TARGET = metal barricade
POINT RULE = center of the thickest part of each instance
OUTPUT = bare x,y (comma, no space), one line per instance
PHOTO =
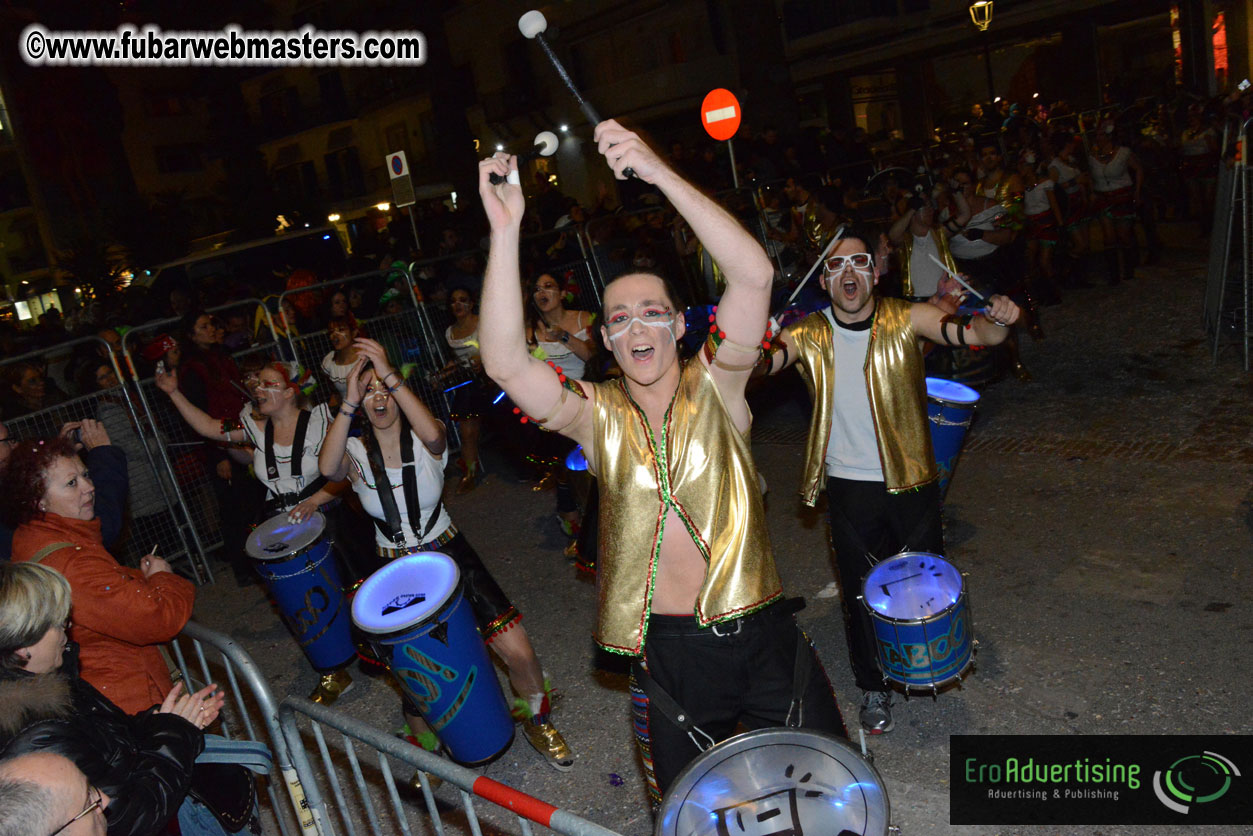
153,513
372,786
182,451
1229,280
245,709
403,325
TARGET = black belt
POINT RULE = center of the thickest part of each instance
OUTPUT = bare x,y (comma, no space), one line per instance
687,625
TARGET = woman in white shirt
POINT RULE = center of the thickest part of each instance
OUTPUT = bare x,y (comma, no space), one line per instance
340,331
286,439
397,471
565,340
1116,182
1044,220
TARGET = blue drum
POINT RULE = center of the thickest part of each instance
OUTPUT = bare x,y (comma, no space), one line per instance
296,563
421,625
950,408
576,461
917,602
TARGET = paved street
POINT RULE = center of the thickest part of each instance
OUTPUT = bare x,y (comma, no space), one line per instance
1102,513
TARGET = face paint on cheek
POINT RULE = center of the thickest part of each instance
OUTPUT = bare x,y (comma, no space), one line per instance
626,328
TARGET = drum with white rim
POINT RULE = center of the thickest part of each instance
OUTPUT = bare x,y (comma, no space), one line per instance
918,606
298,567
777,782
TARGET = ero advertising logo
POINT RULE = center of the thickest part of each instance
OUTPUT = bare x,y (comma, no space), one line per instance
1100,779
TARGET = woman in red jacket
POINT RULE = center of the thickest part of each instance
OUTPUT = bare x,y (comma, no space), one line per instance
120,614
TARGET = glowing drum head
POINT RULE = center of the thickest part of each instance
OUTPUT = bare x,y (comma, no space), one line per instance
776,782
912,586
278,538
950,391
406,591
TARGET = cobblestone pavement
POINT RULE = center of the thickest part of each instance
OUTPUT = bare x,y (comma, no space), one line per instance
1102,513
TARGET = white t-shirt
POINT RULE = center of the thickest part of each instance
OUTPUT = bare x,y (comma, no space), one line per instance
1066,173
1036,199
924,273
430,484
563,356
852,448
962,247
337,373
319,421
465,348
1113,175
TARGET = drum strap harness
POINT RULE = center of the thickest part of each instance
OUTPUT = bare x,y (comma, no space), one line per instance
676,714
390,526
297,453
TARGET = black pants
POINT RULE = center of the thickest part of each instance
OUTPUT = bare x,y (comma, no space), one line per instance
743,676
869,524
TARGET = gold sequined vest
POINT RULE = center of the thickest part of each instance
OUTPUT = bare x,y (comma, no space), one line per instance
895,380
697,464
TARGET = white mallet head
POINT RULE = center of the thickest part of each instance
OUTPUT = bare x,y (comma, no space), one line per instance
547,142
532,23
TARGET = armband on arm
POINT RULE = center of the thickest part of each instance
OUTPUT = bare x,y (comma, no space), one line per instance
567,386
230,425
960,325
718,338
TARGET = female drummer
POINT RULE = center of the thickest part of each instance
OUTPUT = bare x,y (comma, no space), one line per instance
1117,179
294,486
397,471
564,337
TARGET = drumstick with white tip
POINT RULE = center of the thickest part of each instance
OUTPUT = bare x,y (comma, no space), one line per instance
958,279
835,239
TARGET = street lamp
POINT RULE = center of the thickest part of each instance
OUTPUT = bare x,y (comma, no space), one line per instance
981,16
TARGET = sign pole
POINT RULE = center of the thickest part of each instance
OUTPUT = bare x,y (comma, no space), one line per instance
735,174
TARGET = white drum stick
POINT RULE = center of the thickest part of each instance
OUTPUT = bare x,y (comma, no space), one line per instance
830,246
958,278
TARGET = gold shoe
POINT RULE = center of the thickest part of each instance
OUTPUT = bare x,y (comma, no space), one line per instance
549,743
547,481
432,781
467,484
331,687
1021,372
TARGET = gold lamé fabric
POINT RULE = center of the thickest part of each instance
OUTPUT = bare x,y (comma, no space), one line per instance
907,248
896,382
697,464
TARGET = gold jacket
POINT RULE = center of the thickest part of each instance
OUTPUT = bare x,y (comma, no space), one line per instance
896,384
700,466
907,248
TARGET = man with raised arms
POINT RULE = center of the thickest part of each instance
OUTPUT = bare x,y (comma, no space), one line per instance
868,431
687,583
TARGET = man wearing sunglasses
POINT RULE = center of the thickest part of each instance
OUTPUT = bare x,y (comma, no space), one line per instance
686,578
44,794
868,432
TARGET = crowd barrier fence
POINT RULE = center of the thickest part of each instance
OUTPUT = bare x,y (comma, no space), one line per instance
155,514
1229,280
247,707
361,811
404,326
184,454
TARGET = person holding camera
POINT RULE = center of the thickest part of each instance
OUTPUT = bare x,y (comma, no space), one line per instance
106,465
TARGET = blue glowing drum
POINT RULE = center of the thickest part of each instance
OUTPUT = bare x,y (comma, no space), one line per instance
295,561
421,625
917,602
777,782
950,408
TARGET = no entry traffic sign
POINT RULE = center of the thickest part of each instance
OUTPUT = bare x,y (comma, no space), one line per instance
720,114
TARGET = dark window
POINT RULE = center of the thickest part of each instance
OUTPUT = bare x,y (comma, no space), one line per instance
343,174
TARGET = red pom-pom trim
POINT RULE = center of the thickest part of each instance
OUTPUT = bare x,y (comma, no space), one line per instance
517,411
